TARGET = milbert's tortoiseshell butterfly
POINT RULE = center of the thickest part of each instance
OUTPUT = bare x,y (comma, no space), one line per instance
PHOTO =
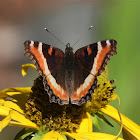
70,78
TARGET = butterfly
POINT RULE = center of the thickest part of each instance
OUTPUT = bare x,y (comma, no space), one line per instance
70,78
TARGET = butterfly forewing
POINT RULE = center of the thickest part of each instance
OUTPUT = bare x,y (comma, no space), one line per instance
94,57
91,61
48,61
45,57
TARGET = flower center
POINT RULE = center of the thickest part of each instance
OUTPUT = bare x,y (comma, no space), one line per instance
52,115
102,96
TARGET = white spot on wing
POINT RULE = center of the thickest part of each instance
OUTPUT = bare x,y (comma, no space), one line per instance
108,42
32,43
93,70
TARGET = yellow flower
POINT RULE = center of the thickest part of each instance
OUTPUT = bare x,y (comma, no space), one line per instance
130,128
27,107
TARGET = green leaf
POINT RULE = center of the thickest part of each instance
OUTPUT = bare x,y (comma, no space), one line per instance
95,121
40,134
69,138
37,137
103,119
25,132
64,136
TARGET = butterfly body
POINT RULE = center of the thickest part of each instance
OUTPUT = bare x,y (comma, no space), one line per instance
70,77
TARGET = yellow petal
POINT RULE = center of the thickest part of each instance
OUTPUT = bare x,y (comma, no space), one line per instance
5,122
127,135
86,124
18,95
4,111
2,101
13,123
3,94
53,135
128,125
11,105
114,96
11,114
17,90
25,68
21,118
91,136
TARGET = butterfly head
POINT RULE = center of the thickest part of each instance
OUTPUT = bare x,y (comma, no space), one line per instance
68,48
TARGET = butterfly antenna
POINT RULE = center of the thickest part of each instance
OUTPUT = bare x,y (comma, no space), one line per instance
82,36
54,36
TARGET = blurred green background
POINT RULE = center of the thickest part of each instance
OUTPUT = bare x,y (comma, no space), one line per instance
121,21
68,20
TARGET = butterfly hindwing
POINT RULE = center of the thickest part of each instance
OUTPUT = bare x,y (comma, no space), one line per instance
84,85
